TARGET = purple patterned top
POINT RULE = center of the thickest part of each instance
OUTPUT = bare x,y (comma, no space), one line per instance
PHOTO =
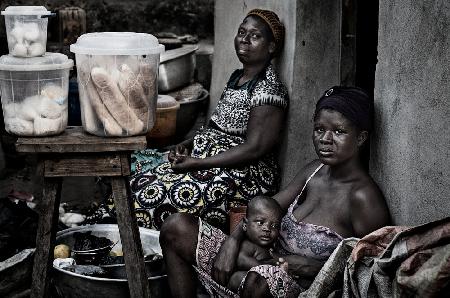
305,239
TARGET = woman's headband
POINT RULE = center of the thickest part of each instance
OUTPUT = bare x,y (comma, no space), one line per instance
274,24
353,103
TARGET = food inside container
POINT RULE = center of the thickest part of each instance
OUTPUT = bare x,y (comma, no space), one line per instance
26,30
34,94
117,82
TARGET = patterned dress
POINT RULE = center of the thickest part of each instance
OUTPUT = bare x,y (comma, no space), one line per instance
158,192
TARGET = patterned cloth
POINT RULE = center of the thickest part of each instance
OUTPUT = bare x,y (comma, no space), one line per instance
399,261
158,192
210,240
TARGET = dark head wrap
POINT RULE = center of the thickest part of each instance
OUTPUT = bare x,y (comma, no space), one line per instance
274,24
354,103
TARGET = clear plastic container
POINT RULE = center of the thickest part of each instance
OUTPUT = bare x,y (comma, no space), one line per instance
34,94
26,30
117,82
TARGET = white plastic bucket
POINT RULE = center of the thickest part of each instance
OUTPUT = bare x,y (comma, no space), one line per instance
26,30
117,81
34,94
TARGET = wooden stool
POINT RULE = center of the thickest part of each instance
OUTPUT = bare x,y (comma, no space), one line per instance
76,153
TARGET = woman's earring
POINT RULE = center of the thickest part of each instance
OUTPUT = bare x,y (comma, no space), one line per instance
244,227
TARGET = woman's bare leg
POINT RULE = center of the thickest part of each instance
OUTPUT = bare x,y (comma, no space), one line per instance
255,286
178,240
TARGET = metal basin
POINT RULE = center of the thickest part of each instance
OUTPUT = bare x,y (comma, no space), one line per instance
188,113
72,285
176,68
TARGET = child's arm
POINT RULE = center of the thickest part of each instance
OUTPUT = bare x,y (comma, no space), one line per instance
249,256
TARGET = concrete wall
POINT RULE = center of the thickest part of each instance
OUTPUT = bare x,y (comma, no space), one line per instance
316,68
410,147
309,63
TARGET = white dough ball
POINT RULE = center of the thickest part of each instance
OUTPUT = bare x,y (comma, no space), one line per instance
32,32
18,32
19,126
54,92
36,49
46,126
19,50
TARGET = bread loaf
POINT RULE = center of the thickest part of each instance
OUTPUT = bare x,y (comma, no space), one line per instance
148,80
115,102
133,92
110,125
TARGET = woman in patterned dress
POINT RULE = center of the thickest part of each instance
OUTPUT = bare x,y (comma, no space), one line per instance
331,198
232,159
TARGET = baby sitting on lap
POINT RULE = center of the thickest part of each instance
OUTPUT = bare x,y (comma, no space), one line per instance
261,227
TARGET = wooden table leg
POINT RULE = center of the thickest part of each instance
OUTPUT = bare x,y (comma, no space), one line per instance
131,242
45,239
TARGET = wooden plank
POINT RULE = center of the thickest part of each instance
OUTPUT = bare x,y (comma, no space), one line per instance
45,238
75,139
125,160
131,242
83,165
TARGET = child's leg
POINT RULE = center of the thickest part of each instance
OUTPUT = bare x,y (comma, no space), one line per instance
235,280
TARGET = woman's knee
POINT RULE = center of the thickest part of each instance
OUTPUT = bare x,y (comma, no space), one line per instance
255,286
178,226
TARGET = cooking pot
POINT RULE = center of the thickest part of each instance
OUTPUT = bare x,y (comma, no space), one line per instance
72,285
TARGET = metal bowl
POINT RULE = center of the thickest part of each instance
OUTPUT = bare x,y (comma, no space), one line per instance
71,285
189,112
176,68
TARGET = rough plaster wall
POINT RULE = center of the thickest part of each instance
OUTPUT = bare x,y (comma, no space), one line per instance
316,68
410,147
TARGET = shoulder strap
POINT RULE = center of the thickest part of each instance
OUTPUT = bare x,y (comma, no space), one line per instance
304,186
309,178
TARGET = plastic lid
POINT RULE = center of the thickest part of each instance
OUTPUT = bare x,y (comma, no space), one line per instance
116,43
50,61
166,102
26,10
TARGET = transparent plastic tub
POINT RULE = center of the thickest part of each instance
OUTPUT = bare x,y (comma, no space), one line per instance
34,94
26,30
117,82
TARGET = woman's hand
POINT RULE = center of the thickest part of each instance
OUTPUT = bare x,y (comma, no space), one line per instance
180,150
225,261
227,256
182,163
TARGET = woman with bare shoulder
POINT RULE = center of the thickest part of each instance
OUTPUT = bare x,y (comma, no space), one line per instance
330,199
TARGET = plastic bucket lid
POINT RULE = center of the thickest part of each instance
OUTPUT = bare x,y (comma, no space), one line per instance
26,10
117,43
50,61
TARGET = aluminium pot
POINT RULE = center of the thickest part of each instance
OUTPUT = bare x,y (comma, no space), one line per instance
176,68
72,285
